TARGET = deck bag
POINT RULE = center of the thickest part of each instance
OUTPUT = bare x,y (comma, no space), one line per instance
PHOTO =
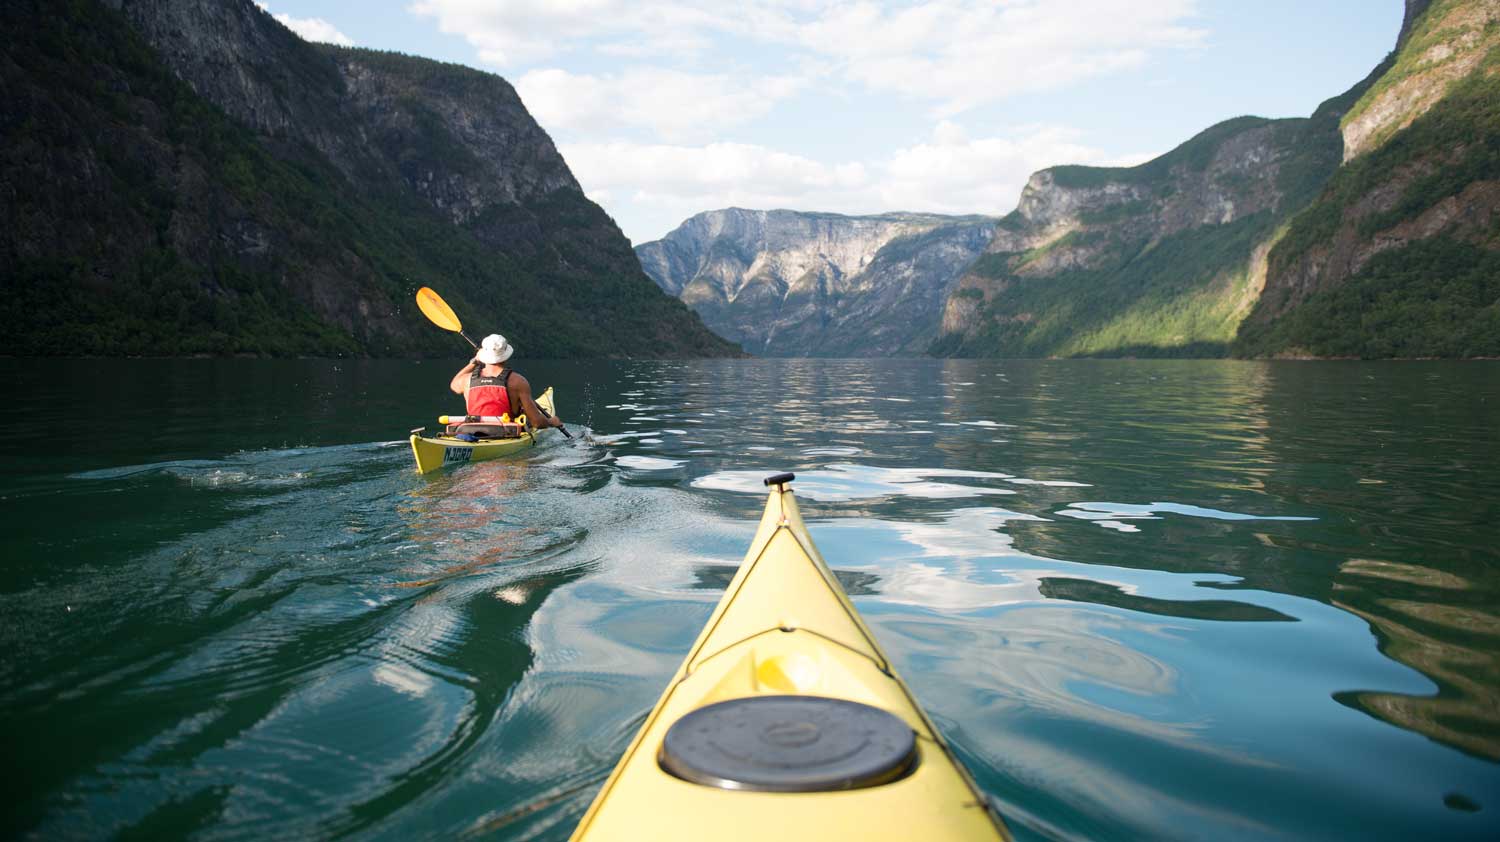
488,431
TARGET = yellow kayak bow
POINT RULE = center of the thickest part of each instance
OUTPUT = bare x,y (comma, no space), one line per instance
787,722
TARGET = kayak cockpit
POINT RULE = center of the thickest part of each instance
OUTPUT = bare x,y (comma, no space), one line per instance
487,431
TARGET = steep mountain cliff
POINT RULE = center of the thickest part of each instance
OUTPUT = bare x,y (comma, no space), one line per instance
1369,229
1400,255
1165,258
786,283
188,176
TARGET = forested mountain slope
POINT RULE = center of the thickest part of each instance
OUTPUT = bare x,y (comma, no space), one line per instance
1162,259
188,176
1369,229
1400,254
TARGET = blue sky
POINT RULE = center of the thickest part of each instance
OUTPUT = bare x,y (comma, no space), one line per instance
664,108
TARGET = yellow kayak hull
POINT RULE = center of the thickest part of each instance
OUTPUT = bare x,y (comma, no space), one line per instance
434,452
786,627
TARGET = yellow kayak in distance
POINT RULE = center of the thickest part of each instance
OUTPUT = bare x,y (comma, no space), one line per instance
787,722
433,452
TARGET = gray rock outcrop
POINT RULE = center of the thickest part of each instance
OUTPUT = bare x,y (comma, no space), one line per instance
789,283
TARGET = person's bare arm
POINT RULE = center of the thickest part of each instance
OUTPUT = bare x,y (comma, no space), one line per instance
522,390
461,379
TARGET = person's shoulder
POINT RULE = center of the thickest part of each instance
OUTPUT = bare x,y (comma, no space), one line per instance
518,378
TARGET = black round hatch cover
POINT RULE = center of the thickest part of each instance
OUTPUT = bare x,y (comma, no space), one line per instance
789,744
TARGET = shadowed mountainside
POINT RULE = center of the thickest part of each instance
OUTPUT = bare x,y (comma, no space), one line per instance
188,176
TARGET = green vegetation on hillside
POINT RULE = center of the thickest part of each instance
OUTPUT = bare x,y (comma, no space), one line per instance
1180,297
1196,154
1415,56
1187,293
1455,144
111,281
145,221
1432,298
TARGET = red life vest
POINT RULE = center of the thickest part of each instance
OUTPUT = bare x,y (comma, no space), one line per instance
488,395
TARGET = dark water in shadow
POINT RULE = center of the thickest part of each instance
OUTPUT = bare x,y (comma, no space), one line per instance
1145,600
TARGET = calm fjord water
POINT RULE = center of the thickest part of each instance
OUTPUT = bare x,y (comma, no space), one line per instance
1145,600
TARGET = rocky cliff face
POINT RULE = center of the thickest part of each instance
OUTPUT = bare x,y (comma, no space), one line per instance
1400,255
266,181
787,283
371,114
1155,259
1433,52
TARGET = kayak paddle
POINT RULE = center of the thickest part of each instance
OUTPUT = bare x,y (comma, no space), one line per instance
439,313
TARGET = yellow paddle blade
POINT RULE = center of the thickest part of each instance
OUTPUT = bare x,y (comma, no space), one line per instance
435,308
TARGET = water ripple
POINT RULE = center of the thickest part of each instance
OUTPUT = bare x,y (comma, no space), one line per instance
275,627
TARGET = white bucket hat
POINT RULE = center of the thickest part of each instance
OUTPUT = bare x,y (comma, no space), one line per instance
494,350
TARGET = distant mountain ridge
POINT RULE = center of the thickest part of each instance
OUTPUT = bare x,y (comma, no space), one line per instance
1370,228
792,283
1400,255
189,176
1160,259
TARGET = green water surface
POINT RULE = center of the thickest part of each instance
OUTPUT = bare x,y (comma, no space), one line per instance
1144,600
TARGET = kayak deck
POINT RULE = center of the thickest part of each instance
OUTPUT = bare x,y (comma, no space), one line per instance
786,629
434,452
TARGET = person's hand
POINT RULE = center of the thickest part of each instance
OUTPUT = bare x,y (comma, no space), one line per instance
554,421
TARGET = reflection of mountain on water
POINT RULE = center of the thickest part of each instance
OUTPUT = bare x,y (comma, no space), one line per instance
1188,432
1396,462
1454,646
1407,461
1084,590
716,577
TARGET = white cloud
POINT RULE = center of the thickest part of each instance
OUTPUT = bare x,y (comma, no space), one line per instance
958,54
950,172
965,54
732,169
654,102
953,173
674,105
507,33
312,29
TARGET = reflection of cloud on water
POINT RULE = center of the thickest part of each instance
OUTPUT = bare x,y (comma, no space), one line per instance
515,595
966,562
1096,788
965,533
402,679
831,451
618,437
649,463
1045,659
843,482
1049,693
602,656
936,588
1113,515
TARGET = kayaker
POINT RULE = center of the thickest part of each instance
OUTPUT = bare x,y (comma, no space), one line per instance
490,388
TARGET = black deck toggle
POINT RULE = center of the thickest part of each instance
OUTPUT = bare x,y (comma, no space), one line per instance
780,479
